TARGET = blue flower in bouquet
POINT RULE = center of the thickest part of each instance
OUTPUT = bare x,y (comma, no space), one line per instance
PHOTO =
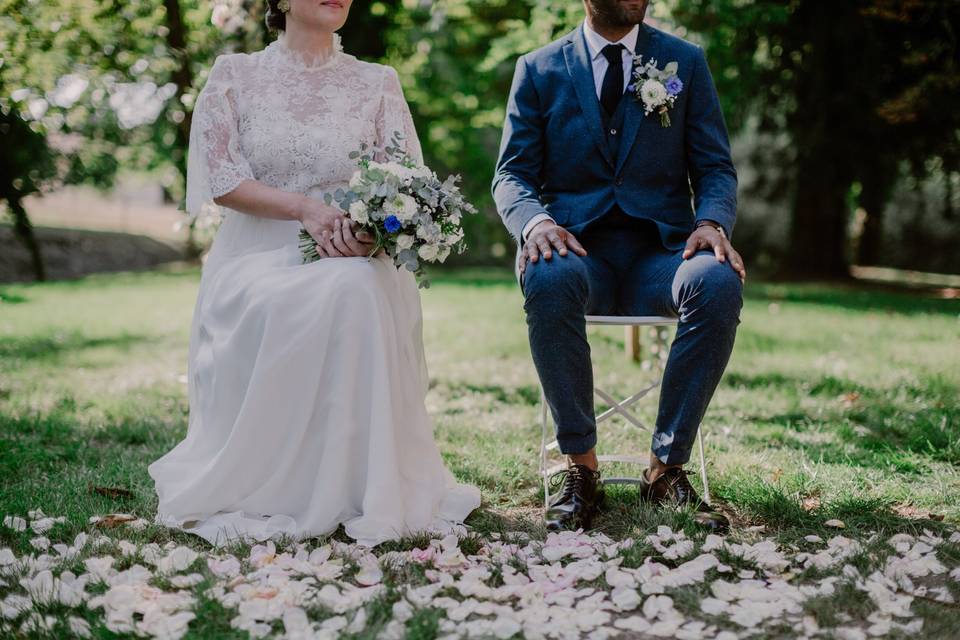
392,224
673,85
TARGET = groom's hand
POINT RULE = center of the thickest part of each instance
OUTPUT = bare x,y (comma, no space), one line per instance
707,236
546,237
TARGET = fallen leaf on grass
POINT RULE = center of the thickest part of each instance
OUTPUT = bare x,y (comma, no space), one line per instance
114,520
849,400
906,510
811,502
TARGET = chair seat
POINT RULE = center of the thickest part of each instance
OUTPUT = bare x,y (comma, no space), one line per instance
631,321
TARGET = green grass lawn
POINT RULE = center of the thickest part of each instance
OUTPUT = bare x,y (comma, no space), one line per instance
838,404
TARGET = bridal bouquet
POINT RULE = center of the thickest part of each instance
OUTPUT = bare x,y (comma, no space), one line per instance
411,214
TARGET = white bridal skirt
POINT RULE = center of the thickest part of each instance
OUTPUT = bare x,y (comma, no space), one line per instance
307,387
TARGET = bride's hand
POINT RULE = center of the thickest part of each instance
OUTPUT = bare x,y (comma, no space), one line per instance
332,231
344,241
317,217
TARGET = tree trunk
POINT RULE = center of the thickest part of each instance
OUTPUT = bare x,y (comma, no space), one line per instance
24,231
182,77
818,238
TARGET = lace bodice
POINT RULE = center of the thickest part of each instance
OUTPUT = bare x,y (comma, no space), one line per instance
289,120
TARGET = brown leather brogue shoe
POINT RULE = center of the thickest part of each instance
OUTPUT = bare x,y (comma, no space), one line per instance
673,488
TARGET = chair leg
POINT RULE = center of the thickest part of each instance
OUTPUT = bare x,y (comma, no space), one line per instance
543,448
703,466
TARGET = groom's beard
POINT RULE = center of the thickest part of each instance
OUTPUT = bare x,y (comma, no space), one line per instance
617,13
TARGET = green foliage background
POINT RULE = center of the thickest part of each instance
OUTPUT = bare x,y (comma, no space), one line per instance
846,115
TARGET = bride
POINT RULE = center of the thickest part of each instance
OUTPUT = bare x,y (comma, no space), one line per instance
306,381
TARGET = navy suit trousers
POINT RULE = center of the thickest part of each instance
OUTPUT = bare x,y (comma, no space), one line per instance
629,272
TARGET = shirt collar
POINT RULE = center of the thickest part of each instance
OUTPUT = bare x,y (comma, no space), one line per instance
596,42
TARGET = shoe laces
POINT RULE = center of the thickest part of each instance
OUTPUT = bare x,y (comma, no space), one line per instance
573,479
681,483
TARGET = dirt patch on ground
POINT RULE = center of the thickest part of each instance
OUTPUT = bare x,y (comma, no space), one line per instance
73,253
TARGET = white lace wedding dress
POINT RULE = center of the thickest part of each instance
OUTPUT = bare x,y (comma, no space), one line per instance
306,382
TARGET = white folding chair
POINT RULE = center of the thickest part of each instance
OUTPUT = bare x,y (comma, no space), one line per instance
548,440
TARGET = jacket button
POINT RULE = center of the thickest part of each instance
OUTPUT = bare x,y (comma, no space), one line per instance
613,132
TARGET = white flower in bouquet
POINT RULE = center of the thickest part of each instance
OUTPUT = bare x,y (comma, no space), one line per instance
402,206
405,241
428,231
444,253
429,252
405,174
653,93
356,179
359,212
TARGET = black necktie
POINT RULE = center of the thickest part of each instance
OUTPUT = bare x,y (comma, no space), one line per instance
612,89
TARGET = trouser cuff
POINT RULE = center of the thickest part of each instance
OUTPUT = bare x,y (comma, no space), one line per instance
577,445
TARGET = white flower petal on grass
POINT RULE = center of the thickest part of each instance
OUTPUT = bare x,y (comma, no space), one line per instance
638,624
504,627
7,557
177,560
227,567
70,589
296,623
100,568
127,548
617,578
835,524
187,581
625,598
40,542
38,624
139,524
848,633
158,624
370,573
40,587
713,606
15,605
78,627
713,542
43,524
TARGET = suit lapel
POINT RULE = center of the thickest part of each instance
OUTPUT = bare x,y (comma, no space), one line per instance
648,45
581,72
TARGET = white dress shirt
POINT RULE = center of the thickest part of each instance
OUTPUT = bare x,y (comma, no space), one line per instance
595,45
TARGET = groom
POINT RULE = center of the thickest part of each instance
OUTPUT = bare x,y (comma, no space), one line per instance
618,212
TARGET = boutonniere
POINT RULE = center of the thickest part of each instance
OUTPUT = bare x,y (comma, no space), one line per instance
656,88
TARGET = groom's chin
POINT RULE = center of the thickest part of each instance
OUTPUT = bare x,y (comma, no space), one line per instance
619,12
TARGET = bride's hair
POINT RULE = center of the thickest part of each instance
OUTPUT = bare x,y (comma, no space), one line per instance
276,20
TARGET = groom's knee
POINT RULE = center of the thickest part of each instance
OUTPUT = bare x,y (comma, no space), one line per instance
556,284
712,287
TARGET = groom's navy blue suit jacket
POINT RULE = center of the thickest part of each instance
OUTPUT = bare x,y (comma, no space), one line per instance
555,157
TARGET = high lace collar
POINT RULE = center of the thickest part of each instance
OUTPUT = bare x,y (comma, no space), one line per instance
304,59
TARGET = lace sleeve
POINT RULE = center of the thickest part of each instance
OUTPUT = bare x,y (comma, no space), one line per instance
394,116
215,162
